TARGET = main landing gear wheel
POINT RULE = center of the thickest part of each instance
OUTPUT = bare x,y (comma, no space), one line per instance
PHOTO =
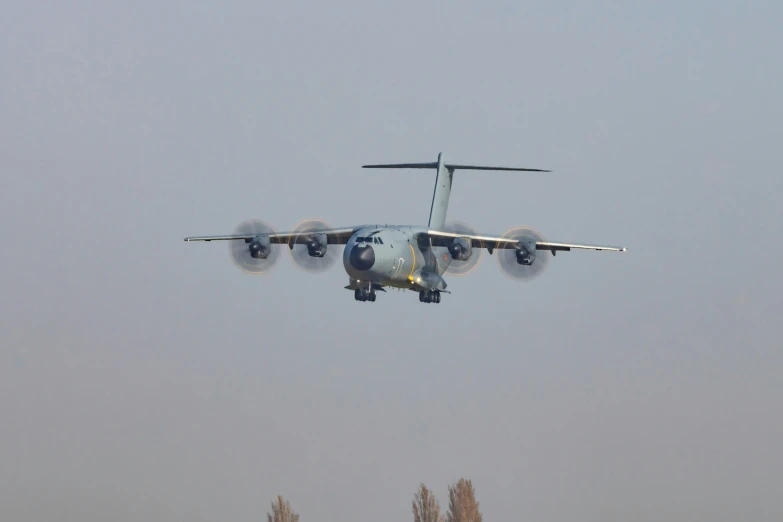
364,295
431,296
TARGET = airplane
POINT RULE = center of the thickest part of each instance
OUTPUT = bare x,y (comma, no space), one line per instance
406,257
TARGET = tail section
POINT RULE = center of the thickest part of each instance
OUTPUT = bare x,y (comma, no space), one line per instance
440,196
443,179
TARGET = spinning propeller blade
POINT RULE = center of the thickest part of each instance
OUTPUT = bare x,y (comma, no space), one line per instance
242,252
457,267
302,248
508,258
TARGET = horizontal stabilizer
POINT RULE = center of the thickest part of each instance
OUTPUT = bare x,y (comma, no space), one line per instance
402,166
449,166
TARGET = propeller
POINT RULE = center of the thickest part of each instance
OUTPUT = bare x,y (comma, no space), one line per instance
513,261
457,267
254,256
311,252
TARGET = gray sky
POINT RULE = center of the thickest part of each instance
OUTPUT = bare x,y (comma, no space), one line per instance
144,378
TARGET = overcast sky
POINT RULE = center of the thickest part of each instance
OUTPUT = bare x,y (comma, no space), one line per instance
145,378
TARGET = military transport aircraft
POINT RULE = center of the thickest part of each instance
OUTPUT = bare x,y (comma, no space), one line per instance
406,257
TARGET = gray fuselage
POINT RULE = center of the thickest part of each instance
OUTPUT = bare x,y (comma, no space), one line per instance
392,256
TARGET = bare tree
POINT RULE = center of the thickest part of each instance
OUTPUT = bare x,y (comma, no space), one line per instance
425,506
462,503
282,512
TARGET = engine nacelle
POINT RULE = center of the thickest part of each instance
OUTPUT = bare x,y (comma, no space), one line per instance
260,247
525,256
316,245
460,249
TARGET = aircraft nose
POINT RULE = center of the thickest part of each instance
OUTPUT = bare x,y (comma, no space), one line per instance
362,257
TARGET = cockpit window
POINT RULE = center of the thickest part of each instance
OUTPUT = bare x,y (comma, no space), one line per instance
369,239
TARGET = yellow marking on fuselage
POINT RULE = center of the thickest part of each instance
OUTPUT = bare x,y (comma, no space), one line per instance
413,267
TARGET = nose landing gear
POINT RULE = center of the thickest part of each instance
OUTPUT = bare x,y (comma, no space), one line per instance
363,294
430,296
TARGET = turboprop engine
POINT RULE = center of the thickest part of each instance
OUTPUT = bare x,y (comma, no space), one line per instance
255,255
260,247
525,256
463,259
308,246
525,261
316,245
460,249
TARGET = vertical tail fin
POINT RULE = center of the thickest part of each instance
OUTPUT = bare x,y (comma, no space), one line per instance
440,196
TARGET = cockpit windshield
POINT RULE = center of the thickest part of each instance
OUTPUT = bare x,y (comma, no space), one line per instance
369,239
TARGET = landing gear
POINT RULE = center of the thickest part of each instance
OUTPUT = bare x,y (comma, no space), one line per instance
430,296
364,294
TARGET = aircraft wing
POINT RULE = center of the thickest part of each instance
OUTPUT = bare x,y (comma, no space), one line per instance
492,242
335,236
